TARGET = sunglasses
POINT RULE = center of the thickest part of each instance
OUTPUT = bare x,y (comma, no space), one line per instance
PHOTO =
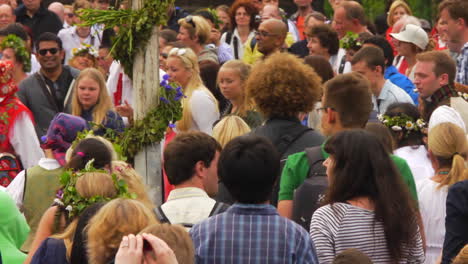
52,51
189,19
70,15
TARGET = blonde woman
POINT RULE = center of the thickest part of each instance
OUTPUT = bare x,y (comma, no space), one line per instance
200,107
397,10
92,102
447,146
231,81
229,128
58,247
115,220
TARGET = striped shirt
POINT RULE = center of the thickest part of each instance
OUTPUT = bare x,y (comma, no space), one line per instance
248,233
344,226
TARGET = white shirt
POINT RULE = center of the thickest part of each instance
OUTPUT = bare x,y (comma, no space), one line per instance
335,62
16,187
418,161
240,45
71,40
24,140
188,205
432,207
204,111
35,66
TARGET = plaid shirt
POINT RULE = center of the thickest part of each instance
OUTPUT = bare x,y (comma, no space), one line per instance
248,233
462,66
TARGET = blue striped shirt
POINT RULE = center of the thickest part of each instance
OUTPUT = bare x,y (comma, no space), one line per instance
248,233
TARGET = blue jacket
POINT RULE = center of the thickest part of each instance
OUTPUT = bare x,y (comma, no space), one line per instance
401,81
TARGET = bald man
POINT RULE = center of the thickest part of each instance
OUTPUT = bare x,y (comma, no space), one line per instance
7,16
58,9
349,16
270,36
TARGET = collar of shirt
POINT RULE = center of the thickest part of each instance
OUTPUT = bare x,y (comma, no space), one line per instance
49,164
186,192
252,209
385,89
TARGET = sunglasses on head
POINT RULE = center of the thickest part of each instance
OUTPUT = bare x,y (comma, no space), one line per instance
189,19
52,51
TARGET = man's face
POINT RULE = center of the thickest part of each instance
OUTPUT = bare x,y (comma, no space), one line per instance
49,55
268,41
302,3
371,74
270,11
425,79
184,37
6,16
32,5
340,23
452,28
210,179
104,59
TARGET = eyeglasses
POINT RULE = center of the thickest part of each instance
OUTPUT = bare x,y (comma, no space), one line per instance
325,108
264,34
70,15
189,19
52,51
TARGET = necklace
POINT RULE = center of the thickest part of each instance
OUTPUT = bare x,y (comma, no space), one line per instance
443,172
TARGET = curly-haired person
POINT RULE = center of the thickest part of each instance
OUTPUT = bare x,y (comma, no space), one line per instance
283,89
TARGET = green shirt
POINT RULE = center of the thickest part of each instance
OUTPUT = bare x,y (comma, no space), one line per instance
297,168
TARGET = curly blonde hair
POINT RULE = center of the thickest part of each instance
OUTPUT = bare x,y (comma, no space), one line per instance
114,220
229,128
134,181
282,85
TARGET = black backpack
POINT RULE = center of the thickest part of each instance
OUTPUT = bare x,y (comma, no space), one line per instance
229,36
309,195
218,208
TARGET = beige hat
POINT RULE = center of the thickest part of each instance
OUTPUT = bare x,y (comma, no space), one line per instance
413,34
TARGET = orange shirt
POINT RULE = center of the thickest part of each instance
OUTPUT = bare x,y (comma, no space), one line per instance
300,26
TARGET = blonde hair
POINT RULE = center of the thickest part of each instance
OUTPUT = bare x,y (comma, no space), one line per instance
72,61
134,181
190,62
104,103
393,7
177,238
462,257
114,220
229,128
243,71
201,30
88,185
448,143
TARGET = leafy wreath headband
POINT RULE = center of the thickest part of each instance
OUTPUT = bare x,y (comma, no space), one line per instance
402,123
18,45
73,202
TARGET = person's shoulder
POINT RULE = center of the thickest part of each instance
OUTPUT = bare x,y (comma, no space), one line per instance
399,162
73,71
28,83
297,158
65,31
460,187
20,11
332,213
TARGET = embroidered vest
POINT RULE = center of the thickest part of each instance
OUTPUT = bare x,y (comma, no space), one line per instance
40,188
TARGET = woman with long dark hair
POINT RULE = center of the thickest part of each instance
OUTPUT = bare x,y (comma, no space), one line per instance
367,206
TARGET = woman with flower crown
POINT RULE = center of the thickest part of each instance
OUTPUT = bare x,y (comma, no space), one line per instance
84,57
18,139
14,50
448,147
406,126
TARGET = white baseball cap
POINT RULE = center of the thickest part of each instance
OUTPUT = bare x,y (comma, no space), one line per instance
413,34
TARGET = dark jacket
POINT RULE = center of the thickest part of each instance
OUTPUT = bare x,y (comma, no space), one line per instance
42,21
299,48
178,13
275,130
456,221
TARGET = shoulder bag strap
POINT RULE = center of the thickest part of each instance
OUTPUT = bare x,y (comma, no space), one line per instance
161,215
218,208
48,92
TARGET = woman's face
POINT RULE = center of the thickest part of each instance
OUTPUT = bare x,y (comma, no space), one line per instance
398,13
242,17
9,54
329,163
316,48
177,72
83,61
230,84
224,17
88,92
403,48
163,54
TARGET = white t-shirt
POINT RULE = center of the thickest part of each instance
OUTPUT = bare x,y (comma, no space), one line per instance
418,161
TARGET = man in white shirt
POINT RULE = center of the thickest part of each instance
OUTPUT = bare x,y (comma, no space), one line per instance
370,62
191,164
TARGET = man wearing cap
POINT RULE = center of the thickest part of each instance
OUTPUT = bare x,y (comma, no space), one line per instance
455,14
34,189
434,79
18,138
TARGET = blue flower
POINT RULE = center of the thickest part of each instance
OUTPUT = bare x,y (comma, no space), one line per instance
164,100
172,125
44,139
168,87
166,77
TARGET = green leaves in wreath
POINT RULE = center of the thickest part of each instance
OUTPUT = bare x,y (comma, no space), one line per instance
135,28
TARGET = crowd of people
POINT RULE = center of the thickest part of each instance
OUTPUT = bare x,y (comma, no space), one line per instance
303,138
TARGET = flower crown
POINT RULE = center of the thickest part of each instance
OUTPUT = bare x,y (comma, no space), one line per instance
17,44
73,202
402,122
85,48
350,41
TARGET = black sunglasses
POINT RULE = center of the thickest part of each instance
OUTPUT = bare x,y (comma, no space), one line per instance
70,15
189,19
52,51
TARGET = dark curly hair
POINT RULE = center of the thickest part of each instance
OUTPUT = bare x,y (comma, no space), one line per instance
249,8
327,36
283,86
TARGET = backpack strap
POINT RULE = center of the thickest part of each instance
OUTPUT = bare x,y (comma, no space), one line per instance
218,208
236,48
342,64
286,140
315,158
228,37
253,42
161,216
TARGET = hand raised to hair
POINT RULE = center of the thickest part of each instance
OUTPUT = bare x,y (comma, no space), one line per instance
163,253
130,250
